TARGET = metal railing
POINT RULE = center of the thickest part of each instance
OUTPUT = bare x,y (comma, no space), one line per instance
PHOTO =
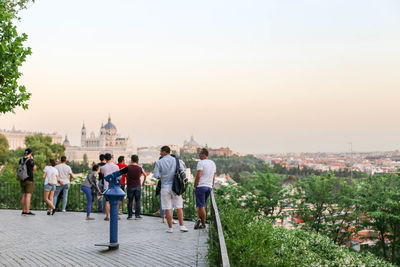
216,234
10,198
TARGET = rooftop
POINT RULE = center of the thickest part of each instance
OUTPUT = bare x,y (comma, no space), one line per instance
68,239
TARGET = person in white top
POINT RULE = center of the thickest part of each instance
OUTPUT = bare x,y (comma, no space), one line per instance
49,173
107,169
205,178
66,175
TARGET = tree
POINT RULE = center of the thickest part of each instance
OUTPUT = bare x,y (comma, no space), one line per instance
326,205
3,147
12,55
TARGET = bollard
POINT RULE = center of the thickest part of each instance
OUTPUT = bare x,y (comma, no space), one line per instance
114,195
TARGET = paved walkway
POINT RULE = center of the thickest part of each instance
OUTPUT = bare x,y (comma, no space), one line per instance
67,239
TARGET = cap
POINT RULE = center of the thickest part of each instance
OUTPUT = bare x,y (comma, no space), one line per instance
27,151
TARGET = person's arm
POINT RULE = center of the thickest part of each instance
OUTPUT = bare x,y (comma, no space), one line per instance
44,174
144,180
215,174
157,170
196,182
59,180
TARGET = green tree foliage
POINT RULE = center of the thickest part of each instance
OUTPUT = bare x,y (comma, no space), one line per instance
12,55
326,205
379,202
252,240
43,150
3,148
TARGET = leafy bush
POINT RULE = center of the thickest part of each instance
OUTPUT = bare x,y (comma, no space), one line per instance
252,240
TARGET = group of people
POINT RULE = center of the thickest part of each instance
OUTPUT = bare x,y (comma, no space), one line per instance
57,178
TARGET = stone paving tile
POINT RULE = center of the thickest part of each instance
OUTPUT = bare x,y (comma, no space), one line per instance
67,239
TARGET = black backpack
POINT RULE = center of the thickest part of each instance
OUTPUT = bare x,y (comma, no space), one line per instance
180,182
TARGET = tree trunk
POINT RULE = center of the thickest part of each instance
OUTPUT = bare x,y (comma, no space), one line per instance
394,243
383,244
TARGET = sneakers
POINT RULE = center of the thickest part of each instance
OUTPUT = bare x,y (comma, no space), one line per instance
129,218
197,224
23,213
89,219
174,222
183,228
29,213
170,230
64,211
54,211
138,217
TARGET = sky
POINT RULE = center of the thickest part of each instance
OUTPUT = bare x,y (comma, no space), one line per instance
257,76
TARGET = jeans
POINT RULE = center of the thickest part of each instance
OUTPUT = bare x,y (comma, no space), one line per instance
65,189
88,193
134,192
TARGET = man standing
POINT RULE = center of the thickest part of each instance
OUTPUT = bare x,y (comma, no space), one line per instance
66,175
121,164
205,178
27,184
107,169
165,169
134,186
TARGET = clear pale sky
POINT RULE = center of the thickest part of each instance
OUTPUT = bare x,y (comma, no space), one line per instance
257,76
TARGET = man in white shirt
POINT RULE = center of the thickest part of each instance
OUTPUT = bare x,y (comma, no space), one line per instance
205,178
107,169
66,175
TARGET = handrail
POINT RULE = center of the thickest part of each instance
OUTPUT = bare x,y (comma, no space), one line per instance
223,253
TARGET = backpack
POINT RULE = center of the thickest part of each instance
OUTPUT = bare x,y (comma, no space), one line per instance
22,171
53,179
180,182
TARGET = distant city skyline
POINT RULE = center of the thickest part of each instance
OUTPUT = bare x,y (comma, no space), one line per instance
257,76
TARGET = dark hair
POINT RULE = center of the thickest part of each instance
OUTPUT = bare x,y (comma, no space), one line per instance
204,151
121,159
135,158
107,156
52,162
101,157
166,149
95,167
63,159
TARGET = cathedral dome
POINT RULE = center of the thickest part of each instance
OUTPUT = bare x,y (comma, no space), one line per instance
109,125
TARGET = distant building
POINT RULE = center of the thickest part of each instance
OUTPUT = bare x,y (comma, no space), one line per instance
191,147
223,151
108,141
16,138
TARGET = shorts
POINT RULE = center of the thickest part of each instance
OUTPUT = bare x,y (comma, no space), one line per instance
168,197
49,187
202,194
26,187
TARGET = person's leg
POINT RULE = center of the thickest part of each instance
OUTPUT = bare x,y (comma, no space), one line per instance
130,199
162,211
88,193
138,194
51,196
23,201
179,212
169,217
107,210
46,197
65,196
202,209
56,193
27,202
202,215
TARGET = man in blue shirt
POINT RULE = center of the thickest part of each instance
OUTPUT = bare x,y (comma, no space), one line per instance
165,170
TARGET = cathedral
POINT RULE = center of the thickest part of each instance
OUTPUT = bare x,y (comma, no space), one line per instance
108,141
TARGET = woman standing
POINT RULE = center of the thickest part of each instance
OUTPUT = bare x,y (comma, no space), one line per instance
51,177
86,187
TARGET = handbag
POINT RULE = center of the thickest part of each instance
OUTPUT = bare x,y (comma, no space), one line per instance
158,188
53,179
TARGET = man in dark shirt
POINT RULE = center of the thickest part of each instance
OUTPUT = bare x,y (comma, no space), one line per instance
27,184
134,186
